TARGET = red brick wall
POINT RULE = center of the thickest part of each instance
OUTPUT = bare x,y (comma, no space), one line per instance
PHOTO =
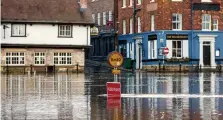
100,6
163,15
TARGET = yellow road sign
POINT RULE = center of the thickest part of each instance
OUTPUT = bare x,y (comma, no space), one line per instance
114,71
115,59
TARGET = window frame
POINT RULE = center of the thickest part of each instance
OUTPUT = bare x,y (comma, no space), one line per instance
177,22
176,49
206,0
123,27
60,58
130,25
64,36
104,18
39,57
12,35
152,22
204,22
18,57
99,19
131,3
139,24
215,24
124,3
152,48
110,15
176,0
93,17
139,2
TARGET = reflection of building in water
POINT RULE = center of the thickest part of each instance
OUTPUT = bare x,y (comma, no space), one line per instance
207,83
207,86
44,97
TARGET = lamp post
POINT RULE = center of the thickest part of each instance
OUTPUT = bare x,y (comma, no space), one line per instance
115,24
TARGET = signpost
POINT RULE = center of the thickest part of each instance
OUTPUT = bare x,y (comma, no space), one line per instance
165,52
113,89
115,59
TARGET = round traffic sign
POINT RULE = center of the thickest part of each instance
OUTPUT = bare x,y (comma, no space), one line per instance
166,50
115,59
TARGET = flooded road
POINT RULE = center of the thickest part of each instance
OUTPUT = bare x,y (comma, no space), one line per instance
80,97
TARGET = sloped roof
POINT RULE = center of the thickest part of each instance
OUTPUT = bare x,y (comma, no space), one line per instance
50,11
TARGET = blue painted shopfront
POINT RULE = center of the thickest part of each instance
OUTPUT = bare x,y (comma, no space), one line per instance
191,43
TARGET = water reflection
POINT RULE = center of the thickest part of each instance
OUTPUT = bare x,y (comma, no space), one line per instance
75,97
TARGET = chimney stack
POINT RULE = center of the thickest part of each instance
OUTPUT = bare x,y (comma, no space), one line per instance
83,5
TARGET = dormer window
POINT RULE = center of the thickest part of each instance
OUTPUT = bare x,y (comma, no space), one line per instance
65,31
18,30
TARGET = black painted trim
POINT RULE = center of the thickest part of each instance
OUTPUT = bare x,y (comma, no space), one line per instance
177,35
44,46
65,36
154,60
18,24
207,6
44,22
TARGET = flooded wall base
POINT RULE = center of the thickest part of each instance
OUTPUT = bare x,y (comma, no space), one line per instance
181,68
42,69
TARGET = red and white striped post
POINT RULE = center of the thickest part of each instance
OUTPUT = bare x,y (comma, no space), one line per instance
165,52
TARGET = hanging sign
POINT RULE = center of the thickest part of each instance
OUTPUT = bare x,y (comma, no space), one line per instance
94,31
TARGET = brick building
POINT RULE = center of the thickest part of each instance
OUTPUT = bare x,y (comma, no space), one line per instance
103,17
190,29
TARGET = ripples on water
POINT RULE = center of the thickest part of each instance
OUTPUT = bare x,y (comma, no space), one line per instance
76,97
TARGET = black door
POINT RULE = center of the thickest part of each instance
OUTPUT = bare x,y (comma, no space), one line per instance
206,55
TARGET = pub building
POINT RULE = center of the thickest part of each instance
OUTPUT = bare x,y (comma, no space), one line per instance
193,37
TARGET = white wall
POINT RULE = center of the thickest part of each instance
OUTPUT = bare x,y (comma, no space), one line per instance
47,34
169,45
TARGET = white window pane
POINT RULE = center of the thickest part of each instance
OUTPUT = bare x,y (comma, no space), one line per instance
110,15
99,19
104,18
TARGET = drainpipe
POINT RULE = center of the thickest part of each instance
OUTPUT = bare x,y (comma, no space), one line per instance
192,28
87,35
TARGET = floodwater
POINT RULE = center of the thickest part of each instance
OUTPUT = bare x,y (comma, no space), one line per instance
146,96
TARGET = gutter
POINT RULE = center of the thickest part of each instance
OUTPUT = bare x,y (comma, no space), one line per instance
47,22
87,35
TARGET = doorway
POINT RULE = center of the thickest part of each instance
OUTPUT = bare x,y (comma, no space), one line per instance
206,54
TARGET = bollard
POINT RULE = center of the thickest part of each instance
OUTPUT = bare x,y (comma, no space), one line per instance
77,68
54,69
67,70
200,68
180,67
24,70
7,69
29,73
31,69
159,66
220,68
